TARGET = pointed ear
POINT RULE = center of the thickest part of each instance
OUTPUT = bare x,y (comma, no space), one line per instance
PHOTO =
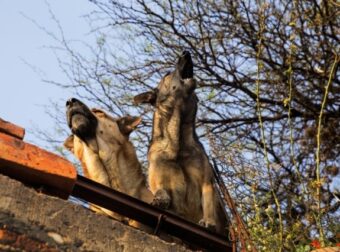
98,112
147,97
127,124
69,143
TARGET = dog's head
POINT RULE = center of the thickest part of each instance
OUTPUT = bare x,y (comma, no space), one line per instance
80,119
175,85
95,126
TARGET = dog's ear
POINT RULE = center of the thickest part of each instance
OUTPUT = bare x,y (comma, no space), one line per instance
128,123
98,112
69,143
147,97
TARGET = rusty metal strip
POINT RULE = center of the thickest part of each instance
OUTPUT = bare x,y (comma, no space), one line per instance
142,212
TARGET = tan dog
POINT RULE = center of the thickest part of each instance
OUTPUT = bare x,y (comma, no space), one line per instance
102,145
180,175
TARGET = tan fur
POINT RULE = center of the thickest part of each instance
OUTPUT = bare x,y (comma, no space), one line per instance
180,175
109,158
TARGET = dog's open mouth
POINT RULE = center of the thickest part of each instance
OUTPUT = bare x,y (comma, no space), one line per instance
186,73
185,66
74,116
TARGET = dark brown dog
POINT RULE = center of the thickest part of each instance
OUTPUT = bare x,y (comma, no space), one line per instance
180,175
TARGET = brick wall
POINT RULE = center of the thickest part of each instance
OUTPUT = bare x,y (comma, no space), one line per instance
32,221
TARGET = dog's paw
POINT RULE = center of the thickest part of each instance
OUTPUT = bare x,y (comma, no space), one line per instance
207,224
161,199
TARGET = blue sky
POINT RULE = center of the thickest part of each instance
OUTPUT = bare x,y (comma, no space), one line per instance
23,94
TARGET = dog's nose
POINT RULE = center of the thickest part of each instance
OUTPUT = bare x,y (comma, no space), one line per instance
185,54
71,101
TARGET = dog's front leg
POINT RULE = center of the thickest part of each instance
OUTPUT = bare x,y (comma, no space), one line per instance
167,183
159,184
209,206
161,199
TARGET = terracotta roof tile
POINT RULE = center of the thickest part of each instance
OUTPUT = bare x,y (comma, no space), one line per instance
29,163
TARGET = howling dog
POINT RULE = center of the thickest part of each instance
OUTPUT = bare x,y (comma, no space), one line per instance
102,145
180,175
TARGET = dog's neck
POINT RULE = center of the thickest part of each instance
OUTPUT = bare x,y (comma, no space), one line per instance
176,124
166,125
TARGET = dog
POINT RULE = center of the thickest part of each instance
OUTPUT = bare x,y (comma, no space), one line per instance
180,175
102,145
